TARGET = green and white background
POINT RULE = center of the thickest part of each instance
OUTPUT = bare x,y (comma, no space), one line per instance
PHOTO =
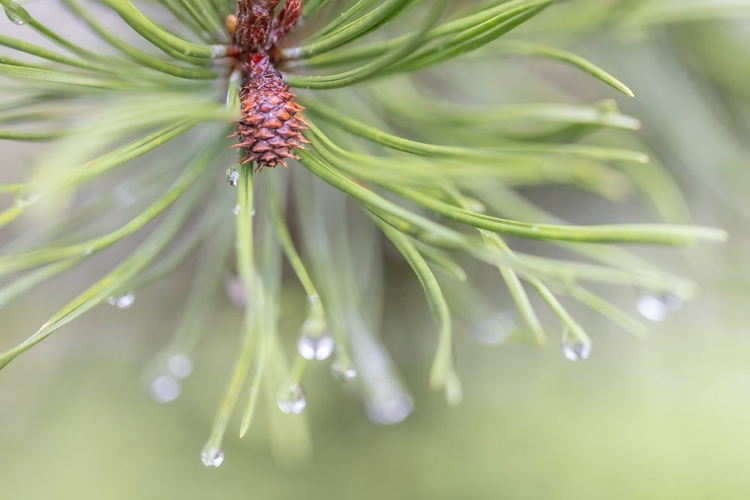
664,418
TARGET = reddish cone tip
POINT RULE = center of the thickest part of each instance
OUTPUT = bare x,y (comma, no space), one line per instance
271,125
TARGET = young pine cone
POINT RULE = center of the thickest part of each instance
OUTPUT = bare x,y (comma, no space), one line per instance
271,124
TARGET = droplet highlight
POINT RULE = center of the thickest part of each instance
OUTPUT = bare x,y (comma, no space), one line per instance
232,176
315,347
343,373
123,301
390,411
14,18
496,328
292,400
212,457
180,365
657,307
165,389
577,351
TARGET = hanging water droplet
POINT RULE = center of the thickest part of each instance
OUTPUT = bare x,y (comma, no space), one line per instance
389,411
343,373
657,307
292,400
125,195
14,18
252,213
315,347
236,210
477,206
212,457
496,328
577,351
235,290
88,251
232,176
218,50
165,389
180,365
123,301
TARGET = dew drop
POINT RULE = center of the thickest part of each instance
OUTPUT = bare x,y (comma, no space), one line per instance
477,206
292,400
343,373
212,457
576,351
317,347
496,328
88,251
657,307
232,176
390,411
218,50
14,18
180,365
123,301
235,290
124,195
165,389
236,210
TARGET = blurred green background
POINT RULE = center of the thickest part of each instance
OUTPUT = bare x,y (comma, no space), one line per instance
665,419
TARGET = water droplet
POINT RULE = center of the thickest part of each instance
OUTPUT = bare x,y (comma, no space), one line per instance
165,389
232,176
212,457
389,411
180,365
235,290
218,50
14,18
236,210
496,328
577,351
657,307
125,195
88,251
292,400
477,206
315,347
343,373
123,301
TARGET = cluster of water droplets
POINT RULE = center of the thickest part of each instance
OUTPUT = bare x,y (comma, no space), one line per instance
166,387
122,301
656,307
238,208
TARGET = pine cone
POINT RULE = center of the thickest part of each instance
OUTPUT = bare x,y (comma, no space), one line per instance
271,123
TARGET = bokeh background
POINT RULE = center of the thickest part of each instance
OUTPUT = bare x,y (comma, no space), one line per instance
665,418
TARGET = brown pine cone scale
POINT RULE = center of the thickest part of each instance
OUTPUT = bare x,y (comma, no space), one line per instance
270,127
